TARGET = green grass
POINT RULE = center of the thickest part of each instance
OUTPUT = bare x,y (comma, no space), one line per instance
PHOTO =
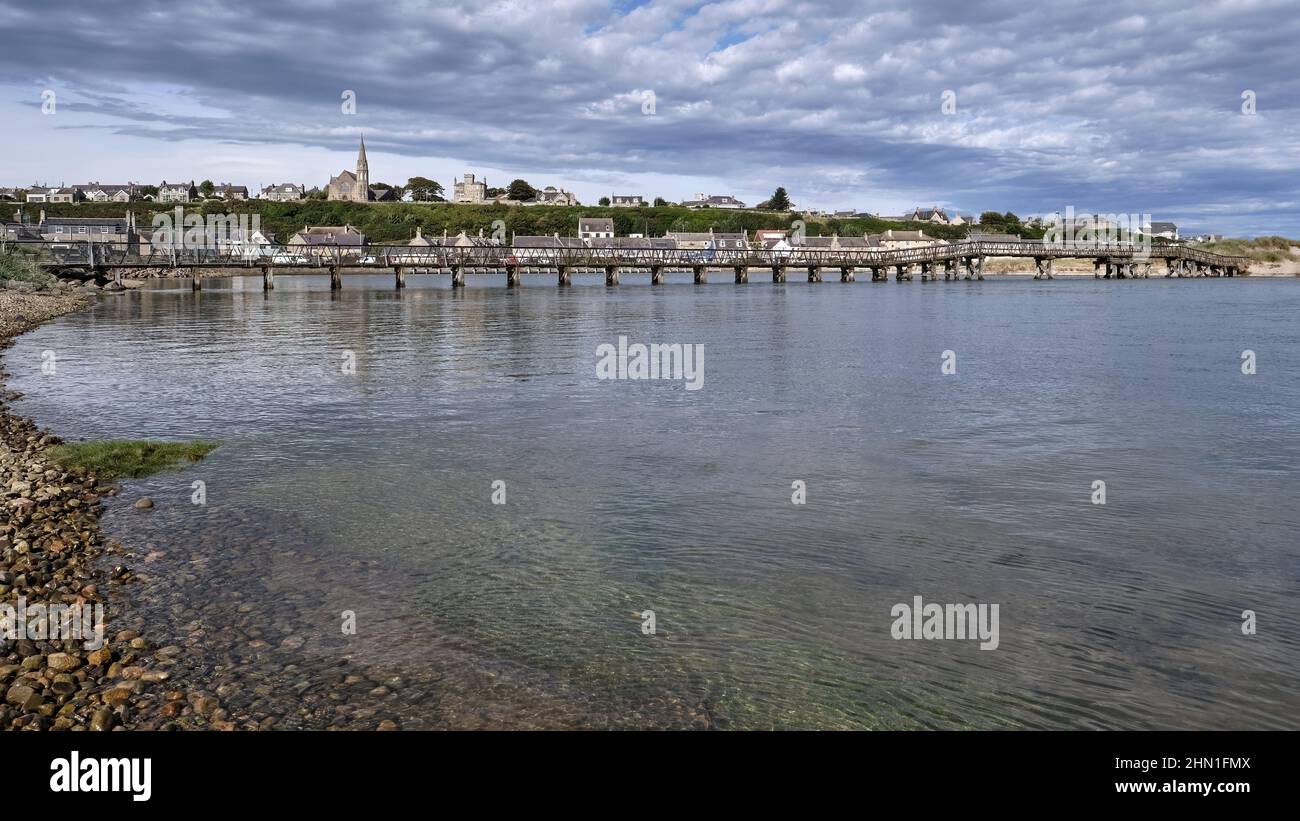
1260,249
396,222
17,267
130,458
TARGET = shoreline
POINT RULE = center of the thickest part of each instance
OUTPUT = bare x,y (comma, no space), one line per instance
50,542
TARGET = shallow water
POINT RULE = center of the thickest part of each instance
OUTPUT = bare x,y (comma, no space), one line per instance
371,492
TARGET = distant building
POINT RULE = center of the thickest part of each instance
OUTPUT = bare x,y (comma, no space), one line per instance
226,191
904,239
626,200
1164,230
550,195
470,190
283,192
711,241
595,228
935,215
351,186
714,201
94,192
322,237
119,232
8,194
61,194
177,192
383,195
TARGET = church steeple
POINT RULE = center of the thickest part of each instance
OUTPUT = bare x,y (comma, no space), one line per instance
362,192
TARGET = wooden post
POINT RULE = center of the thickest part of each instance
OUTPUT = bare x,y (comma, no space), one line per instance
400,275
879,273
742,274
458,276
846,274
565,278
512,276
926,272
778,274
701,275
336,279
611,274
656,275
196,284
814,273
268,278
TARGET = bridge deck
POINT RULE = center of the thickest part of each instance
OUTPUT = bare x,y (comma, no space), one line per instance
107,257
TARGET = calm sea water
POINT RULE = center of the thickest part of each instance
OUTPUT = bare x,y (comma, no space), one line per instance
372,492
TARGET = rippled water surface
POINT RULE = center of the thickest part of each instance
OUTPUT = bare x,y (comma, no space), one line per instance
372,493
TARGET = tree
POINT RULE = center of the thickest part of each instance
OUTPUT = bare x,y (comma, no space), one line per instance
423,189
521,190
604,201
206,188
660,201
780,201
495,192
992,219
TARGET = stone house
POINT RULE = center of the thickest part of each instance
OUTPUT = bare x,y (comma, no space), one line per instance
469,190
226,191
95,192
595,228
714,201
626,200
177,192
283,192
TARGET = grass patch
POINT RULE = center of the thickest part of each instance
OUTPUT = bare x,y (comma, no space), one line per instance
1260,249
18,267
130,458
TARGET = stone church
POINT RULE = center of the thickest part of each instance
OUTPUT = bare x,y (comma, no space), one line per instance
353,187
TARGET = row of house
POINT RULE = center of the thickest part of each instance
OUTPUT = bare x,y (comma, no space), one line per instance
126,192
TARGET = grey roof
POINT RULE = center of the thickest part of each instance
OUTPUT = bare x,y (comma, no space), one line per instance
547,242
330,235
657,243
595,224
688,236
716,199
1163,226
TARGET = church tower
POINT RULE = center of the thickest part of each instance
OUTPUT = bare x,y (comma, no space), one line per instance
362,192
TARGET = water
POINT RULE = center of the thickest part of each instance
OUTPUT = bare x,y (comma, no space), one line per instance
372,493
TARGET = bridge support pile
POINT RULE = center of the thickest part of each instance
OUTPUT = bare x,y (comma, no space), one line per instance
778,274
846,275
611,274
814,274
742,274
565,276
656,275
512,276
399,274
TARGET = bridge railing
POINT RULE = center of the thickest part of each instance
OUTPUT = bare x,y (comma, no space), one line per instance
81,254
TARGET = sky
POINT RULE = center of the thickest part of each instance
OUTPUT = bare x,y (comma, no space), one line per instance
1189,112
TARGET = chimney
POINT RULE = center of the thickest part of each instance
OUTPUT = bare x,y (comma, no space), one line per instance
42,222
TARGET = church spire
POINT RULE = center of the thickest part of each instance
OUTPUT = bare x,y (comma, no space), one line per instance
362,192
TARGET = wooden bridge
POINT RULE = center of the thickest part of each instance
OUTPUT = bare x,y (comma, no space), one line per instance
947,260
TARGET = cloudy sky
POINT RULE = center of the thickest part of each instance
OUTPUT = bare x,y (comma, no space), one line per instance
1104,107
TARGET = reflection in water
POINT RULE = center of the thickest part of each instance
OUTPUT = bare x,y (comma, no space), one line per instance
371,492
